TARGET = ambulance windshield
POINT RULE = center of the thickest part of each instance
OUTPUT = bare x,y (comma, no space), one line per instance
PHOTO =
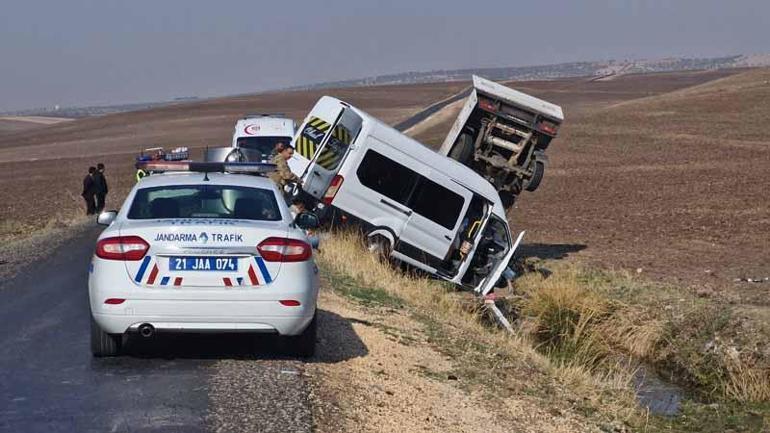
261,148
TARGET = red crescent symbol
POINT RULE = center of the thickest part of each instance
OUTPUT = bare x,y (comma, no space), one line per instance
248,128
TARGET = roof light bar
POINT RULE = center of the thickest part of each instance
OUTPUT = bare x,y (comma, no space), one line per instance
206,167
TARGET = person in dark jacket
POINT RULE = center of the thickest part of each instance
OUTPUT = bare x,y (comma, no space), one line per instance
89,191
100,185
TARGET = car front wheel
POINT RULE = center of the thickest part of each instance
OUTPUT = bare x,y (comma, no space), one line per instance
102,343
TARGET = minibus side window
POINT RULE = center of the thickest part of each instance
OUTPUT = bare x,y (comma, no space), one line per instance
436,203
386,177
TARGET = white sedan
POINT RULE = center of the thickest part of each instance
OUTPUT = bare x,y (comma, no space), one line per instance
203,252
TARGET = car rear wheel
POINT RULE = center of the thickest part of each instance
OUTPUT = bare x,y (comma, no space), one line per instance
303,345
104,344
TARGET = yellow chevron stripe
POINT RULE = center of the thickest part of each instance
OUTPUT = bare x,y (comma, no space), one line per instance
306,147
341,133
328,159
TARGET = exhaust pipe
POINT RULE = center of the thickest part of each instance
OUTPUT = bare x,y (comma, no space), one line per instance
146,330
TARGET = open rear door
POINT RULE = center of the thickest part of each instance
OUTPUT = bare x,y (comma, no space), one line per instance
325,140
488,284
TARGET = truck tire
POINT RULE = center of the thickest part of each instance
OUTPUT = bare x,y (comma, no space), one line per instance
463,148
537,176
508,198
303,345
104,344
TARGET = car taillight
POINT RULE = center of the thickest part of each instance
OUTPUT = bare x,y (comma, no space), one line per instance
284,250
549,127
487,104
331,192
122,248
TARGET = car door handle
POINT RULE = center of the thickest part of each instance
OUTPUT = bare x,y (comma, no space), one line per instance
449,238
391,205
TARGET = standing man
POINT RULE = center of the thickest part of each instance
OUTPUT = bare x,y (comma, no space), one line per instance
282,174
89,191
100,186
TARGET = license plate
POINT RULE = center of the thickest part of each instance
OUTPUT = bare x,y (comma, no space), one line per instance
203,264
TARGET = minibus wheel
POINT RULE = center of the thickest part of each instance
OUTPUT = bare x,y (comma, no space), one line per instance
379,245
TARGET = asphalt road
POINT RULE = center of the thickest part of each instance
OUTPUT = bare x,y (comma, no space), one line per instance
427,111
50,383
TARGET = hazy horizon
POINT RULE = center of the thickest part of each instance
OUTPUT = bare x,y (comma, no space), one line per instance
90,52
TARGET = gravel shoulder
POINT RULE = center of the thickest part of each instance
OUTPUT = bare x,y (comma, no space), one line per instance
406,382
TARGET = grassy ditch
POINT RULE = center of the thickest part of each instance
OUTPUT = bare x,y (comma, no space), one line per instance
507,364
577,331
710,348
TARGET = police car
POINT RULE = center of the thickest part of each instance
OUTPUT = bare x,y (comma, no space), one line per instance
200,248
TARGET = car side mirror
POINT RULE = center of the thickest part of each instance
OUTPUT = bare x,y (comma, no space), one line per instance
107,217
307,220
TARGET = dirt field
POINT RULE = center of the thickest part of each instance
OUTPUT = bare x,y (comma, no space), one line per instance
647,177
41,170
15,124
648,173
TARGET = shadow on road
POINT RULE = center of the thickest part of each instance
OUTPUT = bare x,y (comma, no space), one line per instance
549,251
337,341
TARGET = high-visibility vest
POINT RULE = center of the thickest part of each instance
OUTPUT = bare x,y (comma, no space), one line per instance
140,174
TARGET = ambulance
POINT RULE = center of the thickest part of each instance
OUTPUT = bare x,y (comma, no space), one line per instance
257,134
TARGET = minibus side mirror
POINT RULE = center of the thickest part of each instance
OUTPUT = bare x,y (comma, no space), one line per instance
107,217
307,220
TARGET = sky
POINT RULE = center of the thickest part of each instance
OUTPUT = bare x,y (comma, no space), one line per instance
93,52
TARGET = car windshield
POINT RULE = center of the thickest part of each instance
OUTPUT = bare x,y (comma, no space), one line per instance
260,148
205,201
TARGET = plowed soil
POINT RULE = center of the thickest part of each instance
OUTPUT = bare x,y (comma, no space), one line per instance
666,174
671,183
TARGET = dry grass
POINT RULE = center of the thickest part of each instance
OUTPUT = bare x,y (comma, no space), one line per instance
581,333
607,390
746,383
586,317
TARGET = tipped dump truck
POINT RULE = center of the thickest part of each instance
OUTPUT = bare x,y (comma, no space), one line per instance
503,134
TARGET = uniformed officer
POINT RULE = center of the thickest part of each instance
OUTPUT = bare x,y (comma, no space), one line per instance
282,174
